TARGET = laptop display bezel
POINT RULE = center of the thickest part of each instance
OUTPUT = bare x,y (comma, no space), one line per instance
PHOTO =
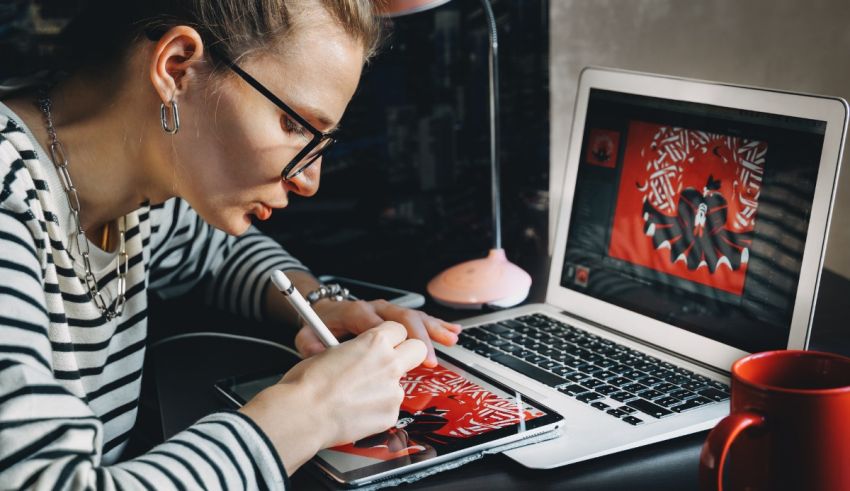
832,110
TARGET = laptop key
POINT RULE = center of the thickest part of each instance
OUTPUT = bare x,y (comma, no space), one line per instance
575,376
714,394
667,401
688,404
511,335
677,379
682,394
665,387
572,389
524,330
649,408
600,405
660,372
589,396
634,387
485,350
607,389
619,381
648,380
649,394
633,374
534,359
606,375
692,386
510,324
529,370
473,332
593,358
606,363
589,369
616,413
632,420
717,385
592,383
622,396
531,343
467,342
512,348
549,365
627,409
496,328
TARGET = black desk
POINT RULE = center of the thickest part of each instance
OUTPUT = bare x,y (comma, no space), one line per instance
185,370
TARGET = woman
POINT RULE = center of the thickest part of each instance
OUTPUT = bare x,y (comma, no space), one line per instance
142,169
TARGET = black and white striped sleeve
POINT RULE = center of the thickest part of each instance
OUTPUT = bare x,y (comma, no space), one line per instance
51,439
185,249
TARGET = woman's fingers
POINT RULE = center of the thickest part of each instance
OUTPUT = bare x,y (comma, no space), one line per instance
441,331
411,354
416,330
389,332
451,326
308,343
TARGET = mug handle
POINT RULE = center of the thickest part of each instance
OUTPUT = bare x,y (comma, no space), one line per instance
717,445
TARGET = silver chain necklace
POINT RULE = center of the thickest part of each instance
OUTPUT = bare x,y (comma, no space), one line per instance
57,155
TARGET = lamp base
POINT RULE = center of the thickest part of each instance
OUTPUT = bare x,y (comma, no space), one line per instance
492,281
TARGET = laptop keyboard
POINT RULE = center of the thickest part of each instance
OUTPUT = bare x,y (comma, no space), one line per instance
624,383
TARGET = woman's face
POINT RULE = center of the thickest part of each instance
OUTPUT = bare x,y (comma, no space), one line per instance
233,142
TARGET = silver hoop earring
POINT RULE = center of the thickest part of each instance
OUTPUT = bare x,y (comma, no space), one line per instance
175,118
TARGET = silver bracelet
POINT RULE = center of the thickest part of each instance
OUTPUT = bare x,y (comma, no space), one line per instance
331,291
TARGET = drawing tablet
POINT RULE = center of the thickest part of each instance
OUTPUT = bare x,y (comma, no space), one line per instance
448,412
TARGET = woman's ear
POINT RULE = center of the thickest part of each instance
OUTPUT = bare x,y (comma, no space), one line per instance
175,61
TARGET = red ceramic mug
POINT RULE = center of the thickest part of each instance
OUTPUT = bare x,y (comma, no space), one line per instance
788,427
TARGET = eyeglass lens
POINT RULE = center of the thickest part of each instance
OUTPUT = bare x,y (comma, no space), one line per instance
308,159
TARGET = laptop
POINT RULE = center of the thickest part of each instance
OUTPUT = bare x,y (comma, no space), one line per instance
691,232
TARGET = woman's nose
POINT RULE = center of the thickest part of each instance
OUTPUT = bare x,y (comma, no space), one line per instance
306,183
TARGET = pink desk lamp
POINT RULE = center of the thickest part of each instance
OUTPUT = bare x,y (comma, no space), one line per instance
493,280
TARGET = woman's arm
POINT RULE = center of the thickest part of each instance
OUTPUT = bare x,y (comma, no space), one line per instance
51,436
186,251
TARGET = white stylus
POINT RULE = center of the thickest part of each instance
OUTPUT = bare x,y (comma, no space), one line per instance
281,281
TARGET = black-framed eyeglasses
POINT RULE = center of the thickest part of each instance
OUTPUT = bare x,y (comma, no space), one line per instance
317,145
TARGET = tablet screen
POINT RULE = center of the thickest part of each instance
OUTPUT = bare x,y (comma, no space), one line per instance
446,409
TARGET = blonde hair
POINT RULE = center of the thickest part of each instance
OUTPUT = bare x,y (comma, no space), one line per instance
102,33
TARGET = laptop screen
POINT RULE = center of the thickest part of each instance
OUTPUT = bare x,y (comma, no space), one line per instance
694,215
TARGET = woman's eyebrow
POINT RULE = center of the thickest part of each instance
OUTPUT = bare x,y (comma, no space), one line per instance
313,113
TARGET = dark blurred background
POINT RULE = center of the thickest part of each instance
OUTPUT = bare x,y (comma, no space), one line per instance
406,192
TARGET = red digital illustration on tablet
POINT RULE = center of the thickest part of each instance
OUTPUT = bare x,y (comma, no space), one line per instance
687,203
440,407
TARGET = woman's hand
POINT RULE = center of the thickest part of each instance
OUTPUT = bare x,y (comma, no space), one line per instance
349,318
339,396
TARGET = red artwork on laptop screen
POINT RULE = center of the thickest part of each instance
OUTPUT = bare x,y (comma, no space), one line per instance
440,407
687,203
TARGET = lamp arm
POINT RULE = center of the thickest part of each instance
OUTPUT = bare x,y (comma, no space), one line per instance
495,185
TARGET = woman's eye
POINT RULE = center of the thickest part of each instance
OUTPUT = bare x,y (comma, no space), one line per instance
291,126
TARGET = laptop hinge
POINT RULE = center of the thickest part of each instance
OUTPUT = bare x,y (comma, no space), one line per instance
651,345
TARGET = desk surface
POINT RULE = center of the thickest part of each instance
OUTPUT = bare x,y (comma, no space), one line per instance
185,370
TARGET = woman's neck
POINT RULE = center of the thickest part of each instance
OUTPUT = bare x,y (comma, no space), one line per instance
106,140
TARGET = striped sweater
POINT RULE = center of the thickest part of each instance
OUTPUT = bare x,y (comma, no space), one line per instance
70,379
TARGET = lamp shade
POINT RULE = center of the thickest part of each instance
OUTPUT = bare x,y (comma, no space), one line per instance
397,8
